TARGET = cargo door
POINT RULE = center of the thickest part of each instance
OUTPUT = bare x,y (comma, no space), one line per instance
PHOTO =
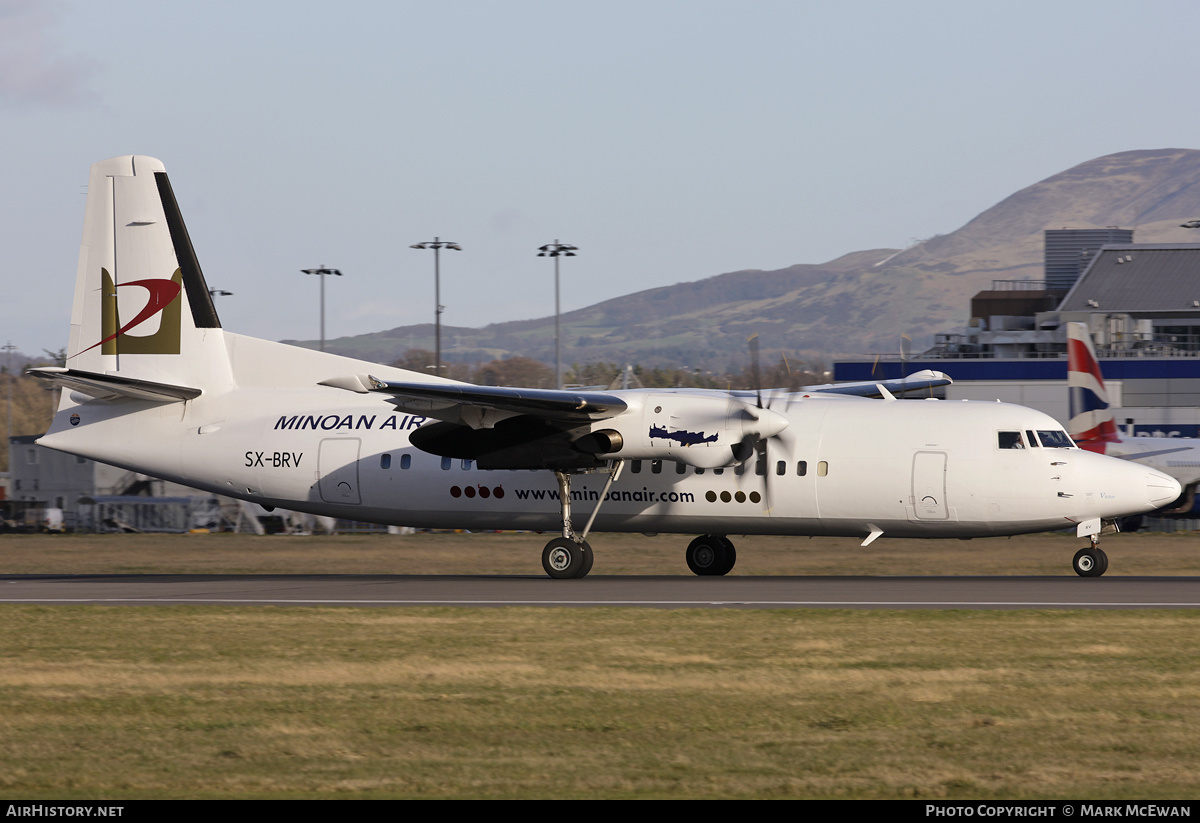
929,486
337,464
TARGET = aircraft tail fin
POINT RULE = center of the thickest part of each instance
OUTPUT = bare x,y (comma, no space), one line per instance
142,309
1091,415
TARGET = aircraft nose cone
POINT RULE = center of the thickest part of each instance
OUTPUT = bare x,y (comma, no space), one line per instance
1119,488
1161,489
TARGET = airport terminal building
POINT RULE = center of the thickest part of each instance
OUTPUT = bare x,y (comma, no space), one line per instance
1140,302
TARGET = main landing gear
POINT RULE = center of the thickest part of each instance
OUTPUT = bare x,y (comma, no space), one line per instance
570,556
564,558
711,555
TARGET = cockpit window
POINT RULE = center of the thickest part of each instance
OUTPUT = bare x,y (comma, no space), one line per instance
1055,439
1011,440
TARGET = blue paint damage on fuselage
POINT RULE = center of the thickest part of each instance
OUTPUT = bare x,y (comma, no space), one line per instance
683,438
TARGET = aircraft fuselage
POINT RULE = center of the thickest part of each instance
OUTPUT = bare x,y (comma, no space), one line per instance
847,466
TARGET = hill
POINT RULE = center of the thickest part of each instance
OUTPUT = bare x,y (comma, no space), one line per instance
859,303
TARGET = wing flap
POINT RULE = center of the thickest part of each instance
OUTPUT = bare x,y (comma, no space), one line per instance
446,401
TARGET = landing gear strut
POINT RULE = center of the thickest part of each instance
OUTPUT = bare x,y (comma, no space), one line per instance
711,554
570,556
1091,561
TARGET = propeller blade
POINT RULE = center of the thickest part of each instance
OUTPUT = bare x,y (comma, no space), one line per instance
753,341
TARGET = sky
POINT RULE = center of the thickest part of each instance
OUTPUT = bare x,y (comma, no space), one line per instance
670,140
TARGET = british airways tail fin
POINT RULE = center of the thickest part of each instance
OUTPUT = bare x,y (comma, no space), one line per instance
142,315
1091,423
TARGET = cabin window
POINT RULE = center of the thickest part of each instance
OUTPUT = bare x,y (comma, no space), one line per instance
681,468
822,469
405,461
1010,440
781,467
466,465
740,469
699,471
636,466
802,468
446,464
385,461
1055,439
718,471
656,466
760,466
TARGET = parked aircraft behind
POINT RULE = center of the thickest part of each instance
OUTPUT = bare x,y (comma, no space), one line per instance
1092,426
154,384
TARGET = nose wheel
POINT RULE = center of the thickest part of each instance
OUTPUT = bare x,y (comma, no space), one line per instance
1090,562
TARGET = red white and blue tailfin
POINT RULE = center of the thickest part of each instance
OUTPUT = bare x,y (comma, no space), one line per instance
1091,423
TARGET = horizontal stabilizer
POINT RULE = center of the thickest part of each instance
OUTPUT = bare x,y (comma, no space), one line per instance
111,387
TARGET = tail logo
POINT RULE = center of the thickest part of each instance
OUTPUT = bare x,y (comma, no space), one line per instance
163,300
1091,423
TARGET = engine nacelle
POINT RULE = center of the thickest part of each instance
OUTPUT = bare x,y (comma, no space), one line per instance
706,431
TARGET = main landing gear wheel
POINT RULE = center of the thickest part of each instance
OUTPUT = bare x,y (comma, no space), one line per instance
1090,562
564,558
711,555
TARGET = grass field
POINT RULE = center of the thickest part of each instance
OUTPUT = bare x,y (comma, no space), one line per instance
1141,553
182,702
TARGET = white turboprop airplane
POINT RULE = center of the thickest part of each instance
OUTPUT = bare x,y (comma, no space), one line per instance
1092,426
153,384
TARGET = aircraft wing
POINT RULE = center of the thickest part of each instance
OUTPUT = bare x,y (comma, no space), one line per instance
111,387
475,404
482,406
1158,453
926,379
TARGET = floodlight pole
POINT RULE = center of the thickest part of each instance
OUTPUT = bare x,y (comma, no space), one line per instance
8,348
437,244
321,273
556,250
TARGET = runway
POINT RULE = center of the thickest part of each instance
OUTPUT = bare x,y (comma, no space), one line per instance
613,591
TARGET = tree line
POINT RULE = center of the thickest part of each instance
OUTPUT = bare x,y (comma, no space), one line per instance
534,374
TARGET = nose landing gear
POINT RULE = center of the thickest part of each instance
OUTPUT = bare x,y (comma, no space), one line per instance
1090,561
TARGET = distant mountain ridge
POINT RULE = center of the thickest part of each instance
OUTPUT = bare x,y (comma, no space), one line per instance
859,303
